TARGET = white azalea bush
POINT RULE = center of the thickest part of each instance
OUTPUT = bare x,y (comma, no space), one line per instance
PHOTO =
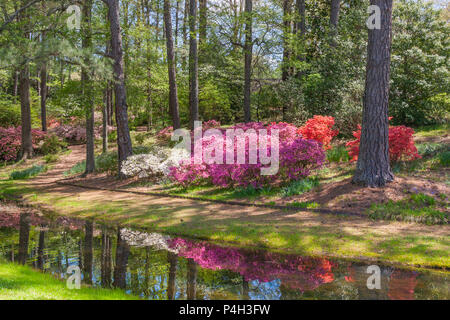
154,164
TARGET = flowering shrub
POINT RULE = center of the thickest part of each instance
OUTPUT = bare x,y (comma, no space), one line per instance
297,157
211,124
76,133
319,128
11,139
158,163
165,134
297,272
401,144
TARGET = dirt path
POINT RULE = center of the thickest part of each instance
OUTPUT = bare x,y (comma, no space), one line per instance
48,183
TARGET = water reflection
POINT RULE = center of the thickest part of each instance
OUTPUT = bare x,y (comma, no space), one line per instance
158,267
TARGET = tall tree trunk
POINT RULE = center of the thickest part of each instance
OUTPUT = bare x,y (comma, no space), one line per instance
120,270
193,64
88,251
203,21
41,248
185,31
287,32
15,84
105,118
334,15
123,131
106,259
25,109
173,92
44,96
301,32
87,94
248,51
191,279
24,237
171,284
373,167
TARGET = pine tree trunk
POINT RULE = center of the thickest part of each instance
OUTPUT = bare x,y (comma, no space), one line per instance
373,167
203,20
25,109
301,32
191,287
121,112
193,64
334,15
248,52
88,251
24,237
173,92
171,283
44,96
120,270
87,95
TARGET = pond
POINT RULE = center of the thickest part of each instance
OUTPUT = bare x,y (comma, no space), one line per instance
159,267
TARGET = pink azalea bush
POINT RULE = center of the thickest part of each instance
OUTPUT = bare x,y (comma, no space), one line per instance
297,158
75,132
11,140
301,273
165,134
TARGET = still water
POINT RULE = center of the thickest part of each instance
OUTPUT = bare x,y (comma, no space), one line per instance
159,267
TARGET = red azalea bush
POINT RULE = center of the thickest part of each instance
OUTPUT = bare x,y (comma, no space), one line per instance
11,140
319,128
401,144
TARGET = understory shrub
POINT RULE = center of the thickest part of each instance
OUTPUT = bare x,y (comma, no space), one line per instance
27,173
338,154
444,158
11,139
300,186
52,145
401,144
319,128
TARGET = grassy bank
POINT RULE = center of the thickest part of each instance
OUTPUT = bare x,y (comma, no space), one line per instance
23,283
294,232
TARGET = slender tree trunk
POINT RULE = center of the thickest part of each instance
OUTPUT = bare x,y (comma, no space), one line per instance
373,167
203,21
88,251
41,248
173,92
185,30
120,270
44,96
171,284
105,118
24,237
149,73
15,84
301,32
191,279
25,109
123,132
193,64
248,48
87,94
177,24
334,15
287,32
106,259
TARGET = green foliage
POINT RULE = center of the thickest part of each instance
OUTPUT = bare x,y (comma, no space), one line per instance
28,173
444,158
305,205
51,158
52,145
300,186
338,154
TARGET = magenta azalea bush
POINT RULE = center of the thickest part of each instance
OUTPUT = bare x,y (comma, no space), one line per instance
76,133
297,157
301,273
11,139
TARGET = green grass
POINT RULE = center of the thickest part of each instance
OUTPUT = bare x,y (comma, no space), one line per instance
444,159
305,205
28,173
51,158
417,208
23,283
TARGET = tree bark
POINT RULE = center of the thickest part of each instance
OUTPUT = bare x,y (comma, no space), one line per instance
301,32
191,287
24,237
41,248
193,64
120,270
44,96
123,131
373,167
87,95
287,32
173,91
334,15
25,109
171,284
248,52
106,259
203,21
88,251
